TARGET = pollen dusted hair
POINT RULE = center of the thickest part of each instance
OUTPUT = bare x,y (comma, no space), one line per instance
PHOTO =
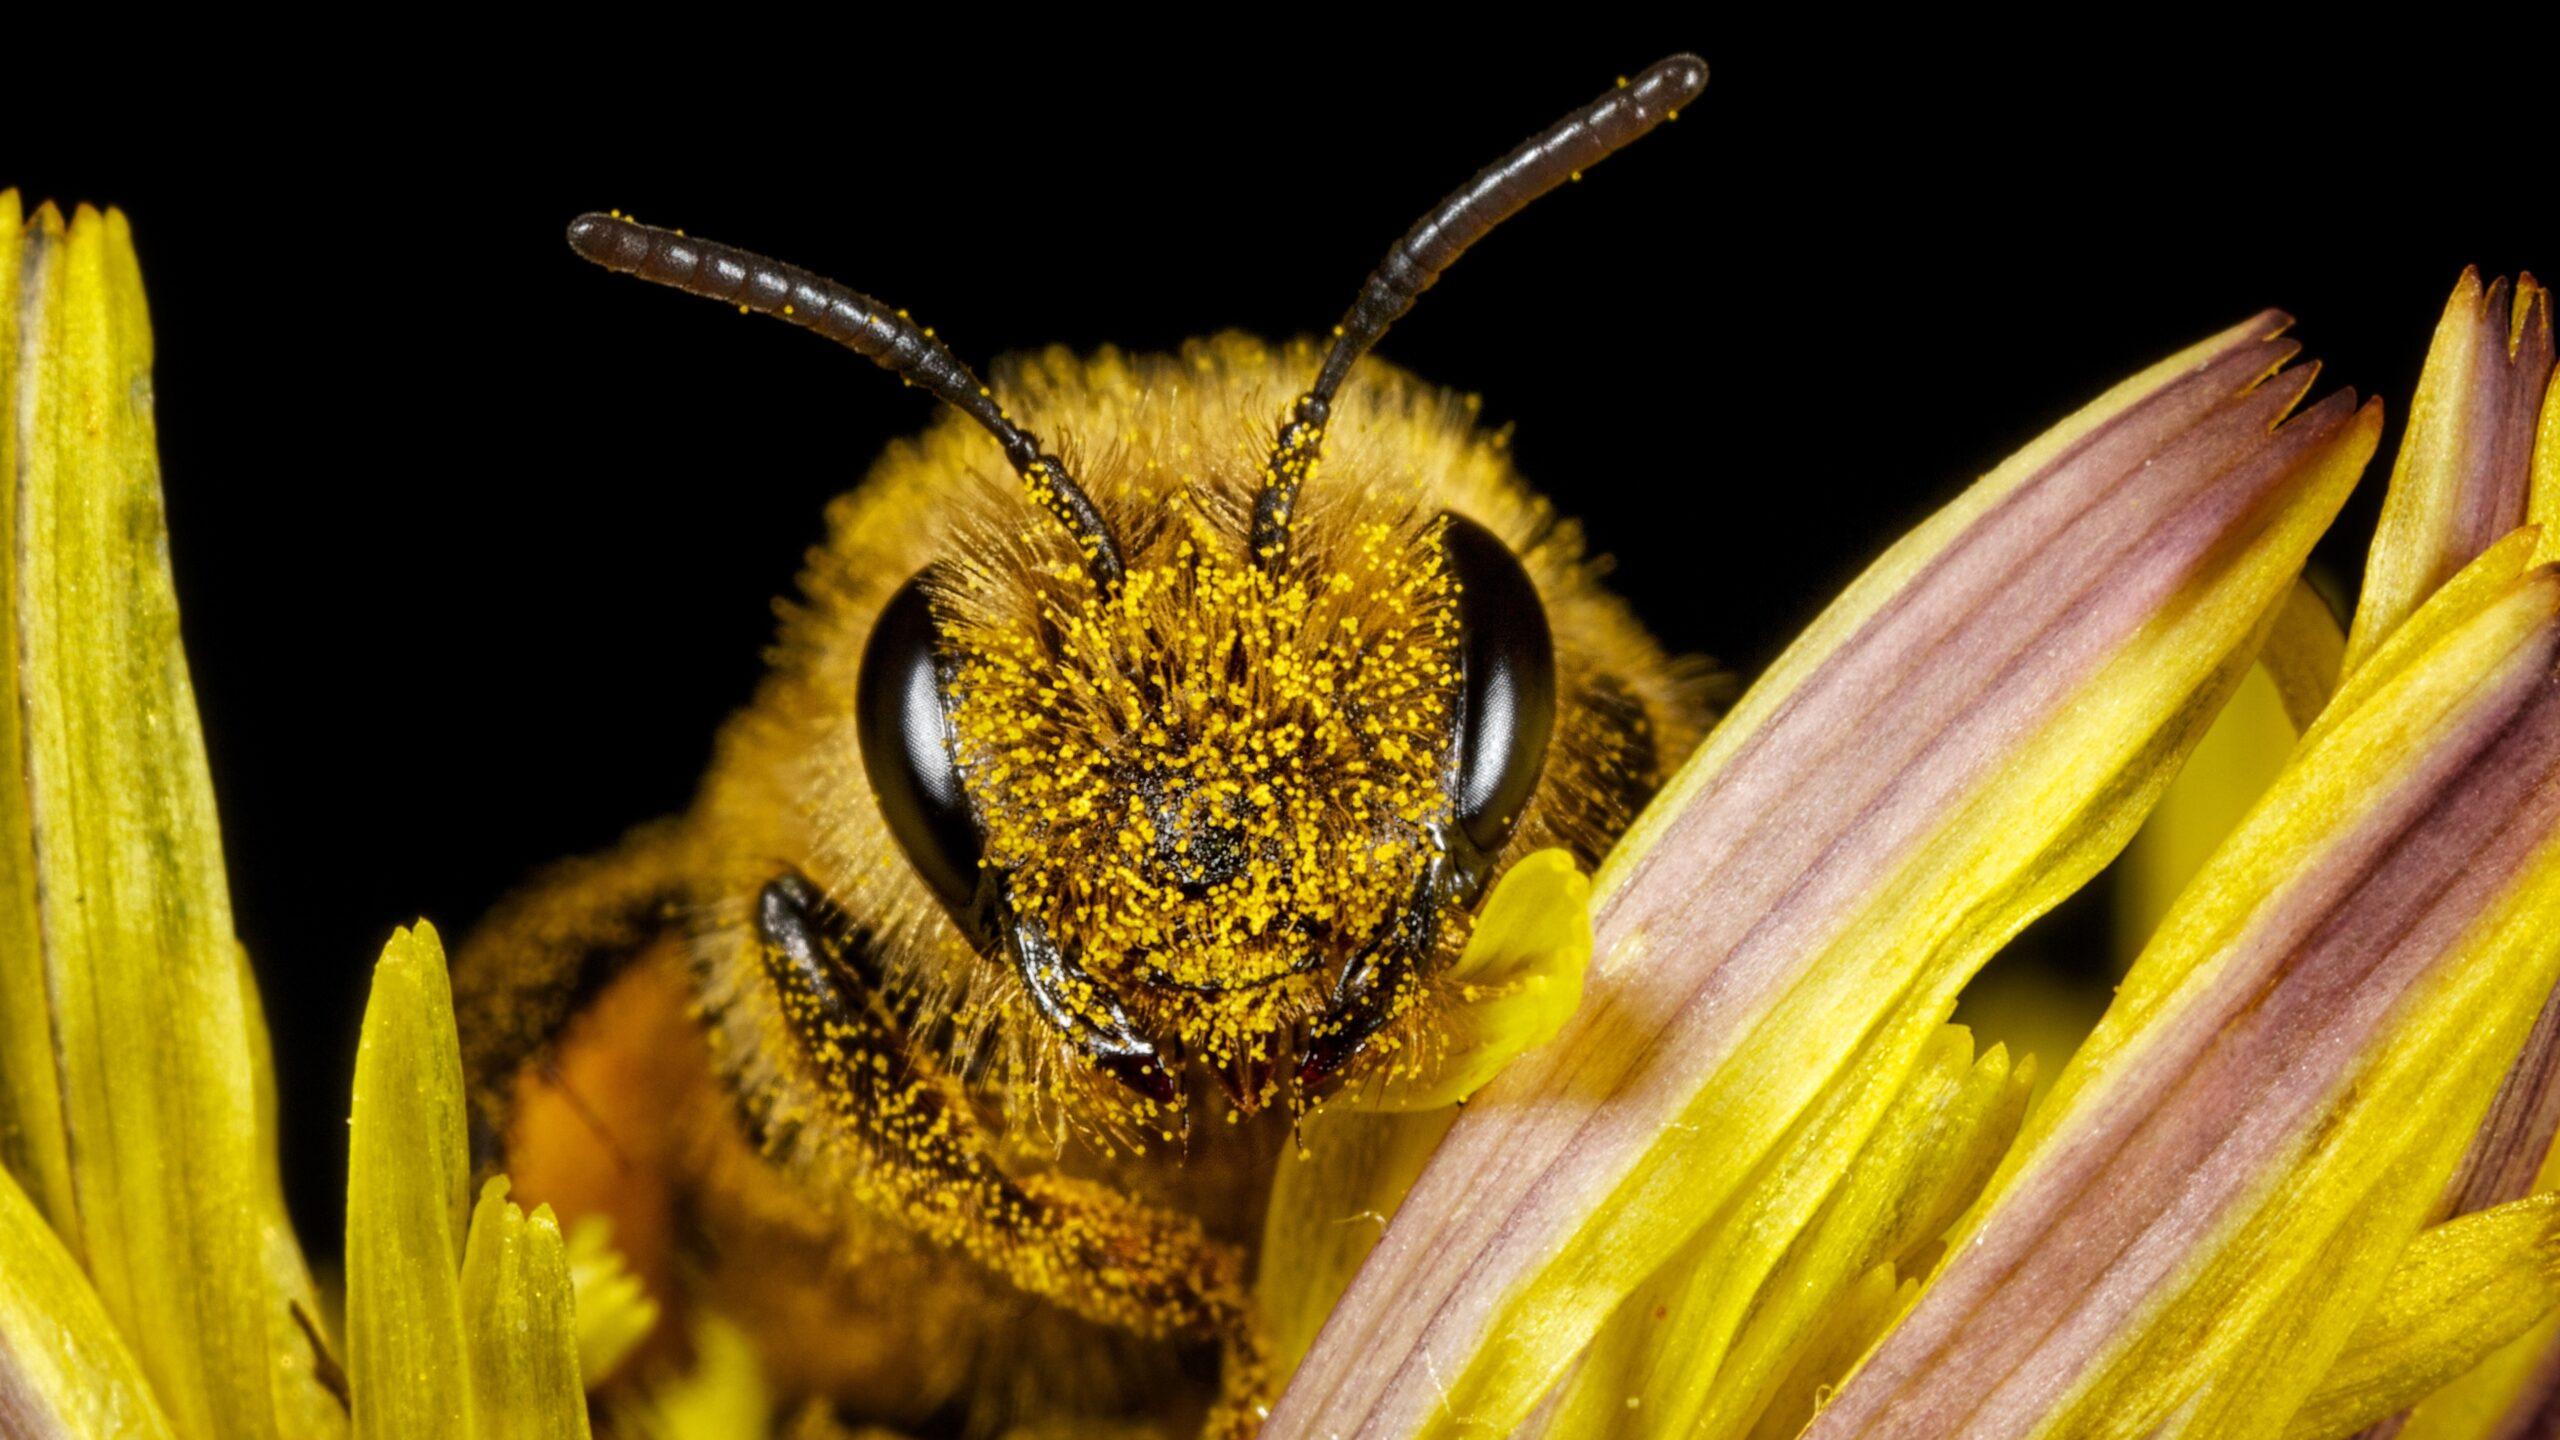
1153,436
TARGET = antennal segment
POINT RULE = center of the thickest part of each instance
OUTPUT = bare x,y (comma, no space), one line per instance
1499,191
861,324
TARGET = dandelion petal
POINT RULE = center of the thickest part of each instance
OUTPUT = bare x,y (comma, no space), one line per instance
521,1317
2460,1290
130,1058
63,1369
407,1181
2463,477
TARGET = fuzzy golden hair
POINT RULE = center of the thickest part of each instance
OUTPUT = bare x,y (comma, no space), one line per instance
1172,450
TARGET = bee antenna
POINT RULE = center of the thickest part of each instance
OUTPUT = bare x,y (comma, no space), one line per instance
1501,190
861,324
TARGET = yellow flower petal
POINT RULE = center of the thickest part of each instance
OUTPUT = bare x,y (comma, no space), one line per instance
2463,477
32,1143
2484,582
519,1311
1847,1329
722,1397
2500,1396
1958,742
2215,1192
615,1312
2030,1005
2544,507
63,1368
2305,654
2508,1391
2249,742
128,1090
1702,1348
2512,1387
2240,756
1908,1189
2460,1290
1519,979
406,1181
1330,1202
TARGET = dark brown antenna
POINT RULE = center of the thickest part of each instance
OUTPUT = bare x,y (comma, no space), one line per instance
861,324
1559,153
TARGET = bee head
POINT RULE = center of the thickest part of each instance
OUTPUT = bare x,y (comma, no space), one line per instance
1222,809
1224,793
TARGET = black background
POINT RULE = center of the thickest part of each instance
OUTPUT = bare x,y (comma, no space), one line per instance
476,545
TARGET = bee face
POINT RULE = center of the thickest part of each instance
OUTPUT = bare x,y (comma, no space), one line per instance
1215,789
1221,808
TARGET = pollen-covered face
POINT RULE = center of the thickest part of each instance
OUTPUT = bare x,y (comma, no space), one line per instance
1220,808
1217,791
1212,786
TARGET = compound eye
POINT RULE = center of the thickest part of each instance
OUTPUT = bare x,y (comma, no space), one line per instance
905,731
1507,658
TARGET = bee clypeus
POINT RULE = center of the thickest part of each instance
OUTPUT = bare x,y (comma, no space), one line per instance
1169,792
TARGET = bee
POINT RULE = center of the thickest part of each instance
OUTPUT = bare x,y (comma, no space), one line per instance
1071,848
